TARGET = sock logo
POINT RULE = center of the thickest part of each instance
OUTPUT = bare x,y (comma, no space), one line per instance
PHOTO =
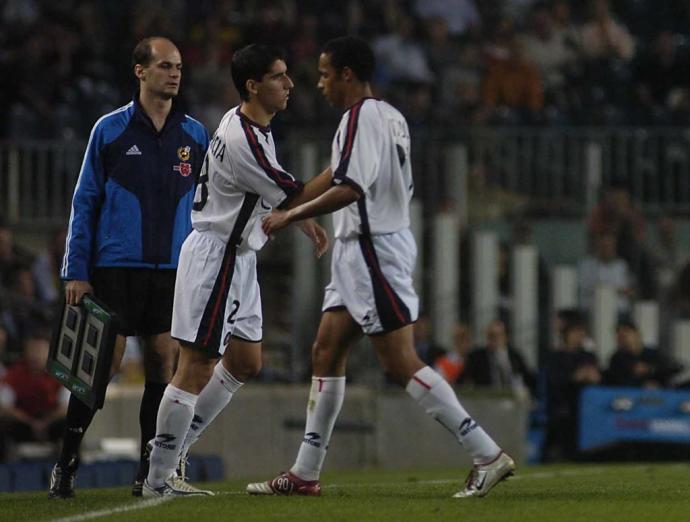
466,426
196,421
164,443
312,438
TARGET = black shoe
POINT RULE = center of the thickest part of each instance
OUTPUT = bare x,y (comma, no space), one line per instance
138,485
142,472
62,480
138,488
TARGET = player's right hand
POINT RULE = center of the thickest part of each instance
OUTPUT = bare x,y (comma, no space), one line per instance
275,221
75,290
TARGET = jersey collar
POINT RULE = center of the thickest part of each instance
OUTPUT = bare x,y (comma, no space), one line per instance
361,101
175,116
243,116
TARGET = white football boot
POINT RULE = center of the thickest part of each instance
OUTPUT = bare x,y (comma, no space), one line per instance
485,476
174,486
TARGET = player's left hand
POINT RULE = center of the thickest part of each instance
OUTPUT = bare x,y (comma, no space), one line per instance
317,234
275,221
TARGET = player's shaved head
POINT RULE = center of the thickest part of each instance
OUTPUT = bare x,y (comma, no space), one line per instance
351,52
143,51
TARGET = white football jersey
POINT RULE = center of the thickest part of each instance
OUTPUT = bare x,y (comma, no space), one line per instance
240,181
371,152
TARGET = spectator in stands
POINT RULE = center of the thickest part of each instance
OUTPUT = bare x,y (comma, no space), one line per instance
604,38
669,254
519,10
11,254
32,402
10,335
675,305
616,214
568,369
75,38
46,267
3,348
607,50
497,42
513,90
427,350
549,50
488,200
634,364
400,57
497,365
270,23
23,307
440,50
462,15
561,13
451,365
210,51
459,87
662,81
564,318
605,267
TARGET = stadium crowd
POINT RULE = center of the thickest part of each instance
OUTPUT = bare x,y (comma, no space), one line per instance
452,62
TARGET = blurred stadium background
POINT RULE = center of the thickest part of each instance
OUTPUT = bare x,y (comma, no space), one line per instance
552,210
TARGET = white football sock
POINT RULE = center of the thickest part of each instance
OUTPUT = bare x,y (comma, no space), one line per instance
212,400
436,396
174,416
325,400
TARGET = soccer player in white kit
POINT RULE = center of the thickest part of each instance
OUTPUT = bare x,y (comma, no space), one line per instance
217,306
371,287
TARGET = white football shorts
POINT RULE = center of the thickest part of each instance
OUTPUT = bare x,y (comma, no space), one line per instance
371,276
216,294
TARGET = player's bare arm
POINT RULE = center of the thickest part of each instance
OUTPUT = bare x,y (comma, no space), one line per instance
75,290
312,189
333,199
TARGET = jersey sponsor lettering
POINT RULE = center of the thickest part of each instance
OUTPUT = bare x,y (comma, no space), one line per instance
217,148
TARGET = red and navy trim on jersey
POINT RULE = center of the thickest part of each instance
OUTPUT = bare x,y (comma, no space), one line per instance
340,174
290,185
211,325
392,311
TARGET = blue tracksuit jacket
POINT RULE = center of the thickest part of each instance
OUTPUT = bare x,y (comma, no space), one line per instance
133,200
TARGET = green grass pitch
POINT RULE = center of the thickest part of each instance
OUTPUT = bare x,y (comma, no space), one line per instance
645,492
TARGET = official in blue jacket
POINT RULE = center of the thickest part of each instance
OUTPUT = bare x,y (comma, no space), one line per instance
130,215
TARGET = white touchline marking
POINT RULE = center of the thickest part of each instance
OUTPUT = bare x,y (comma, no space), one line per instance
122,509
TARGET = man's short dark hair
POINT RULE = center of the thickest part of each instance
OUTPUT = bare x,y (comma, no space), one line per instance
571,318
143,52
626,321
251,63
37,331
352,52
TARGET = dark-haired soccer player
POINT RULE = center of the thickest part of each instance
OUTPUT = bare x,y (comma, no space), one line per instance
217,307
371,287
